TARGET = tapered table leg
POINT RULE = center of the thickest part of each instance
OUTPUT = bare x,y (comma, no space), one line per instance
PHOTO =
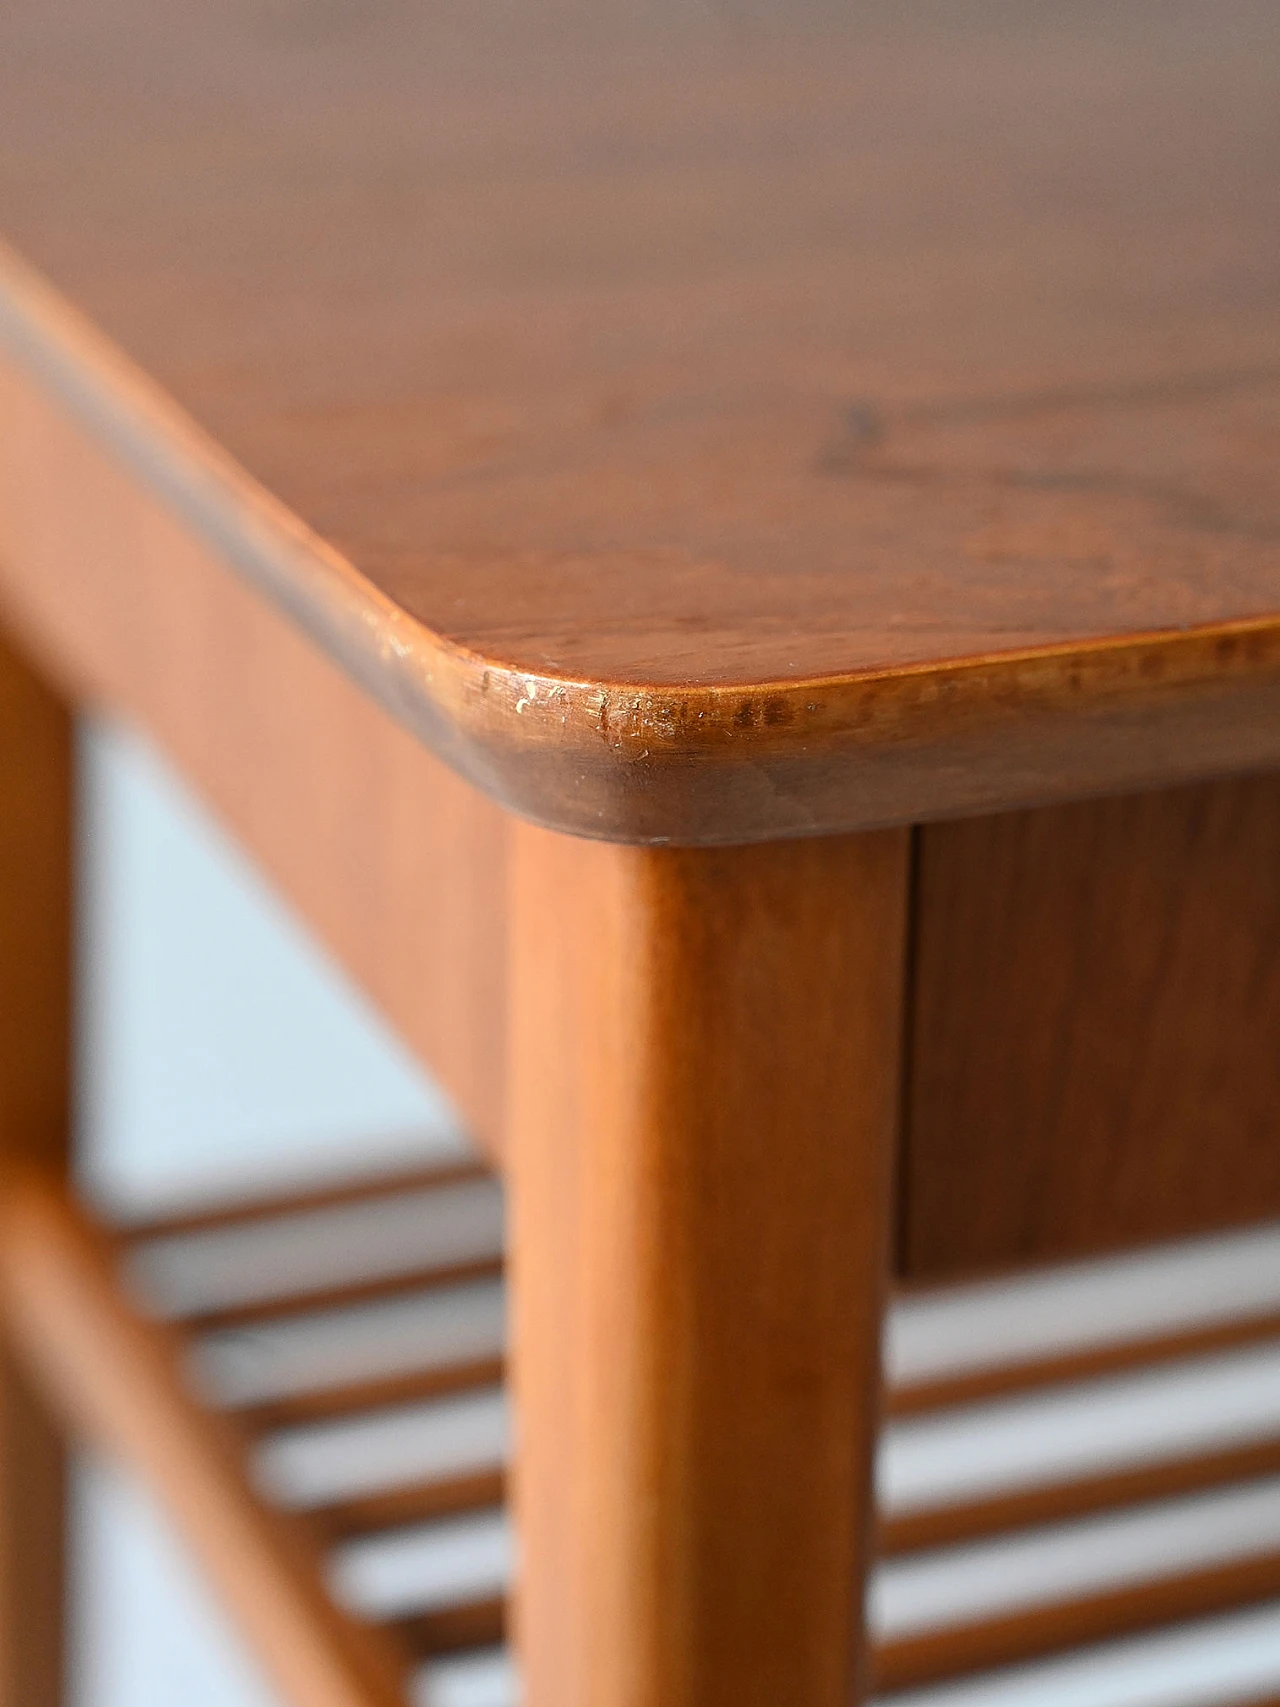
705,1079
35,982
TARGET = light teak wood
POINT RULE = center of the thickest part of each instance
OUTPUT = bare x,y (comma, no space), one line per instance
704,1091
36,767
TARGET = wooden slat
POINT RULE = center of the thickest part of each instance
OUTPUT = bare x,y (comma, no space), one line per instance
924,1529
1009,1378
115,1377
345,1519
299,1200
477,1624
325,1403
956,1651
1075,1498
995,1642
339,1297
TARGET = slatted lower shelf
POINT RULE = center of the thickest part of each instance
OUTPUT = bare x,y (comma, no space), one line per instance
1078,1481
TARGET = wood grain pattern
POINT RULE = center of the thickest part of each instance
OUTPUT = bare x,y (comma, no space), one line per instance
704,1086
395,864
117,1379
36,776
1097,1004
697,427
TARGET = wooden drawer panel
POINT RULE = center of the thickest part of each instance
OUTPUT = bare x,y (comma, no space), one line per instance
1095,1031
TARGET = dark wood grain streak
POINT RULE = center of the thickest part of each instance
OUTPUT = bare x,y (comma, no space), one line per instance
36,811
1097,1007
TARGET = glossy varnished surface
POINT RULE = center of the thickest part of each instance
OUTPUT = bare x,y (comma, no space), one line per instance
755,419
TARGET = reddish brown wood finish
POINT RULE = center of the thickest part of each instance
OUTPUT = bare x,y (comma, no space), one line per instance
704,1093
1096,1014
35,1006
696,428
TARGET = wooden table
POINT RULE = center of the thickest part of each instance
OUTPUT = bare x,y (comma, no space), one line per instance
714,557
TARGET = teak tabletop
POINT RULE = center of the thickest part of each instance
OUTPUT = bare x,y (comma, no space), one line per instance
699,428
579,488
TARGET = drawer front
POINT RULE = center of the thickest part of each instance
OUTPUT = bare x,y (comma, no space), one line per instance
1095,1028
